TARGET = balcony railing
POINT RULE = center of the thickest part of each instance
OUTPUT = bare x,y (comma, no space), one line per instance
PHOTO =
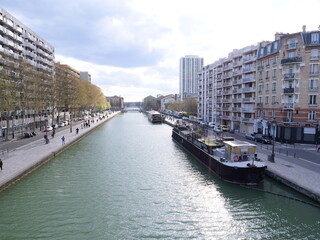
288,106
313,88
288,90
259,105
291,60
288,76
248,120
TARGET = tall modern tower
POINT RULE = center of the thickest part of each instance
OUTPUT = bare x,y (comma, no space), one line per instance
189,67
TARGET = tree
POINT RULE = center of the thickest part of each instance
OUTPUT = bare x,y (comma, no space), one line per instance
149,103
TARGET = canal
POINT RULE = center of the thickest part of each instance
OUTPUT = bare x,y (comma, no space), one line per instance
129,180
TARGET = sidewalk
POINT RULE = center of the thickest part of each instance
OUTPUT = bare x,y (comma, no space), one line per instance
24,159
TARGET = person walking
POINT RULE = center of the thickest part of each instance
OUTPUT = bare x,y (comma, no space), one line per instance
77,130
1,164
63,140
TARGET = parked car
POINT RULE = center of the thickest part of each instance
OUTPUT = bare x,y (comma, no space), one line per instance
211,124
61,124
224,128
250,136
261,138
217,129
48,129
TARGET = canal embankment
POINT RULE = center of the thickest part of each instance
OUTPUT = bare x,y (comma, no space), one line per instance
25,159
285,170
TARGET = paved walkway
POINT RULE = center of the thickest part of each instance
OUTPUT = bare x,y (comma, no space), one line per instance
21,160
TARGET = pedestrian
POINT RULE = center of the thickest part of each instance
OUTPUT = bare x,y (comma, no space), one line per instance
77,130
46,138
63,140
1,164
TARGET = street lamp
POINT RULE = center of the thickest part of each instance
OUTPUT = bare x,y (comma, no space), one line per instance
274,125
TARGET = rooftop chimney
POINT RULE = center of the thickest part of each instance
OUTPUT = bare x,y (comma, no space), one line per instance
304,28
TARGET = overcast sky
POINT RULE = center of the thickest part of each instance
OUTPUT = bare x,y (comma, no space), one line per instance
132,48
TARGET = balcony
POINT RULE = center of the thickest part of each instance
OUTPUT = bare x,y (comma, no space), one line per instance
234,109
248,110
291,60
287,76
248,100
314,58
288,106
247,120
289,90
248,89
236,119
312,89
260,68
259,105
249,69
249,79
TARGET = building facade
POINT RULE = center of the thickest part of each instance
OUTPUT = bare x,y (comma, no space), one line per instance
85,76
26,75
273,82
188,84
117,103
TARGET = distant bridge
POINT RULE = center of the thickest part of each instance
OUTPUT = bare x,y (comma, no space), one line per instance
131,109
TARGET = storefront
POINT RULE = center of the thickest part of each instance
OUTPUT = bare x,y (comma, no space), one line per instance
298,133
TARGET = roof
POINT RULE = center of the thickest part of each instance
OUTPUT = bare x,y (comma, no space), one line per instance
239,144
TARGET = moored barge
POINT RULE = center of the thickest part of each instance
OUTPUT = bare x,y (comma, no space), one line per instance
154,117
232,161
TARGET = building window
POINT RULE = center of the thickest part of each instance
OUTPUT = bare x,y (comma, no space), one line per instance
274,73
313,84
312,115
314,37
269,49
275,60
312,99
260,88
314,54
267,99
260,99
267,75
267,87
273,99
275,45
274,85
292,54
314,69
273,114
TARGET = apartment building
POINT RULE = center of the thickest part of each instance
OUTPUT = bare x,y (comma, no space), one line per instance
26,60
188,84
271,83
288,87
227,90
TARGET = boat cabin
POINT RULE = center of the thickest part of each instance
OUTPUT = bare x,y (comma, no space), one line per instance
237,151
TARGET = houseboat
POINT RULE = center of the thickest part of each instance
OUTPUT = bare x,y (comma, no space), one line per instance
154,117
232,161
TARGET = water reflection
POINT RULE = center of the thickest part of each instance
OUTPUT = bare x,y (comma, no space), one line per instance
129,180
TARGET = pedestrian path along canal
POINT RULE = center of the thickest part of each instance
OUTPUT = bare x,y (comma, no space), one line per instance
129,180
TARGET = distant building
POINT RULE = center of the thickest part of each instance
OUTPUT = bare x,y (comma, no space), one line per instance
85,76
117,103
188,83
166,100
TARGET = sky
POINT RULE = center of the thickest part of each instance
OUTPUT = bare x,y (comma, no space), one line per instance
132,48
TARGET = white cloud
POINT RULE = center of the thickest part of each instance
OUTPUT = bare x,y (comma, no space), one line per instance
132,48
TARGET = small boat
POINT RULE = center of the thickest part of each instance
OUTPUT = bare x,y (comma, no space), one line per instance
232,161
154,117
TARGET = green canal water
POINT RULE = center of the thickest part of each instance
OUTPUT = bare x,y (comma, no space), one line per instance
129,180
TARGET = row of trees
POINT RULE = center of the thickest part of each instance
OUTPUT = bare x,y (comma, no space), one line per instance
189,105
27,90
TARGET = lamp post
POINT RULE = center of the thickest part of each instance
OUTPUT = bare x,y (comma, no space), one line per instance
273,124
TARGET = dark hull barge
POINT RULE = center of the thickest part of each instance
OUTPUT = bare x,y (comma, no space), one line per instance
232,161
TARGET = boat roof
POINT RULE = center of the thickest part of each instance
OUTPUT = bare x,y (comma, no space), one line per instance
239,144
